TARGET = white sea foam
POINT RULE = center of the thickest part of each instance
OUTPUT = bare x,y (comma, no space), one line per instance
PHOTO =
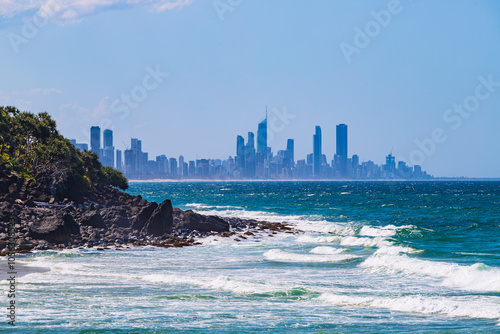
327,250
325,227
477,277
474,307
396,250
346,241
282,256
365,242
223,283
382,231
319,240
206,206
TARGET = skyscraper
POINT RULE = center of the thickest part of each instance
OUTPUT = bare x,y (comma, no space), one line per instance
181,165
108,152
262,137
95,139
342,148
290,149
129,167
240,153
136,147
251,140
119,160
250,156
317,152
107,138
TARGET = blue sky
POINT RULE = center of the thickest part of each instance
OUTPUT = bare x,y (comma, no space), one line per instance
227,59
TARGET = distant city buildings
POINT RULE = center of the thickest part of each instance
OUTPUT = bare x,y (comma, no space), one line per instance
341,152
95,140
252,160
317,153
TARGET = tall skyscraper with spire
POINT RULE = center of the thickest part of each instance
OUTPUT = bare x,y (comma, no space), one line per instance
317,152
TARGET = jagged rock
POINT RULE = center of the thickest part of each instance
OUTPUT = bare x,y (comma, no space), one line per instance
190,220
161,220
93,219
59,184
116,215
142,217
55,229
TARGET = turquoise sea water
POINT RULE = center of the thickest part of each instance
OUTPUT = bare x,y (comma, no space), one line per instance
375,257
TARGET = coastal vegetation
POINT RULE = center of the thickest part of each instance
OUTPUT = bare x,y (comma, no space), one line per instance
30,144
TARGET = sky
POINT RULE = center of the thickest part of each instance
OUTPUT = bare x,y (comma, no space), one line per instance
420,79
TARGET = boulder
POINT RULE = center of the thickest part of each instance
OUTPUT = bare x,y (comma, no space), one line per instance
93,219
55,229
142,217
60,184
161,220
116,215
193,221
6,211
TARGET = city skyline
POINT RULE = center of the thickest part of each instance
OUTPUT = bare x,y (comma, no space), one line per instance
403,74
249,163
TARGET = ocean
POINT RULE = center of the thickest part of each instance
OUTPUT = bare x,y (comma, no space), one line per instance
374,257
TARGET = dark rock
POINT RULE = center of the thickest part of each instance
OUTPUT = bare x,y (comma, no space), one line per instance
13,188
60,184
193,221
6,211
29,203
93,219
116,215
142,217
161,220
55,229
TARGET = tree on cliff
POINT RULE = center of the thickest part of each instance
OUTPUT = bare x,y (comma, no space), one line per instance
30,144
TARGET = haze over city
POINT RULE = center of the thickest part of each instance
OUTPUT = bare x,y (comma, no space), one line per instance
189,76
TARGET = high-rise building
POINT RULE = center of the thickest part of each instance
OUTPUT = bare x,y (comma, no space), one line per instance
137,164
173,166
162,162
290,149
251,140
95,139
262,137
108,151
181,165
250,156
82,146
342,148
107,138
119,160
317,152
129,167
390,165
240,153
192,168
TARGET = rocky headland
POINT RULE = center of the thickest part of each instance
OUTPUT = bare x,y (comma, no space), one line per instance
53,213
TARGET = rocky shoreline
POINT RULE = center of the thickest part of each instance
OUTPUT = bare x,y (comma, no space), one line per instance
54,214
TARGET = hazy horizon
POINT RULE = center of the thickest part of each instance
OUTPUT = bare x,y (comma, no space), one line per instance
405,76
